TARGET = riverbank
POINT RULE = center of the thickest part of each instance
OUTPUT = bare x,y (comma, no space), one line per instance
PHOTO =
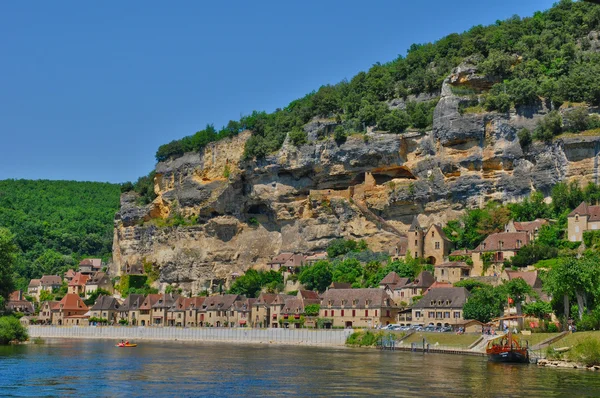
307,337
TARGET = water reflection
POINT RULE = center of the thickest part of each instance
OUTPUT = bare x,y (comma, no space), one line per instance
96,367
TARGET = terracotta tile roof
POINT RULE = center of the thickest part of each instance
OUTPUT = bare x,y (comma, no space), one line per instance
79,279
453,264
423,280
593,212
23,306
308,295
377,298
149,301
531,277
105,303
296,260
293,306
69,274
71,302
530,226
503,241
265,299
280,299
461,252
340,285
34,283
50,280
445,297
165,301
17,295
437,285
220,303
132,302
281,258
94,262
98,278
390,279
195,303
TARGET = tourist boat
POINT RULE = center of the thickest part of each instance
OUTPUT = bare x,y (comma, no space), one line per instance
126,345
507,349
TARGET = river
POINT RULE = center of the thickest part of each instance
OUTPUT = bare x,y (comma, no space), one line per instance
63,367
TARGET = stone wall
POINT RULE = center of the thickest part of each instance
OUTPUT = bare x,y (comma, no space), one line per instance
230,335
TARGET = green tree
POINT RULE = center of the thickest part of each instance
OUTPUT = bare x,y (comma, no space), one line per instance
317,277
471,284
485,304
8,257
298,136
312,309
538,309
11,330
46,295
518,290
91,300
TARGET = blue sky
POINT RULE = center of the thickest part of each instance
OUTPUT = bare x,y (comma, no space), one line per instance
89,90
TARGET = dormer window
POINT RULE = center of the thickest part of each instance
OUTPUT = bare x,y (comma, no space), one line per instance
500,244
518,243
576,217
354,302
483,245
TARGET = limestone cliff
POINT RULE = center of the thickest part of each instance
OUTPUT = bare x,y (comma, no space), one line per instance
368,187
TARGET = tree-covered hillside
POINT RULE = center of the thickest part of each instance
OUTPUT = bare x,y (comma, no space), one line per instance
56,223
544,57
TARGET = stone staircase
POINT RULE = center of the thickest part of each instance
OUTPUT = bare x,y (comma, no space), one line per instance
545,343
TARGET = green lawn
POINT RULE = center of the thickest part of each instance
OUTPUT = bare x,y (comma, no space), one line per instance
536,338
443,339
576,338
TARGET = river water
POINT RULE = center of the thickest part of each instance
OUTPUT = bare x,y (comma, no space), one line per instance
183,369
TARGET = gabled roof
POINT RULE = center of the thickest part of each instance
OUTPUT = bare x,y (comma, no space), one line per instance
438,285
69,274
195,303
165,301
79,279
98,278
34,283
510,241
71,302
296,260
220,303
281,258
531,277
414,226
132,302
105,303
530,226
593,212
390,279
340,285
423,280
93,262
50,280
377,298
293,305
445,297
280,299
265,299
308,295
149,301
439,230
17,295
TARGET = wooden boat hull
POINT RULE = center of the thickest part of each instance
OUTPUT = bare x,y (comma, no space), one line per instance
512,356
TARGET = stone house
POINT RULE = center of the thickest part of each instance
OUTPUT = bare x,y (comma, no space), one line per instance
440,307
279,260
532,228
219,311
416,288
106,307
77,284
17,303
130,309
497,248
294,308
160,308
261,310
390,283
90,265
68,276
357,308
176,314
583,218
45,314
430,244
49,283
193,309
98,280
276,309
33,288
314,257
144,314
452,272
243,310
71,310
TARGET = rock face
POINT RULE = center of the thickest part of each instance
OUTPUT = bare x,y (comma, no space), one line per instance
368,187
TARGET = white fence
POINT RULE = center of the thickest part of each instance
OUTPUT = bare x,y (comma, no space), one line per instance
237,335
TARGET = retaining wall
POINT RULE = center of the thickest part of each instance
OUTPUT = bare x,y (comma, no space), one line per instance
232,335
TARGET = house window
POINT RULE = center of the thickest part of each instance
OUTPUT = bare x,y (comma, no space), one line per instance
518,243
416,243
342,312
500,244
438,314
576,217
332,313
353,313
594,226
387,313
577,228
483,245
417,314
456,314
437,245
416,255
366,312
432,234
325,312
447,314
500,256
431,314
375,312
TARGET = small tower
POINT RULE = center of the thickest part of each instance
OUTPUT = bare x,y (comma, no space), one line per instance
415,239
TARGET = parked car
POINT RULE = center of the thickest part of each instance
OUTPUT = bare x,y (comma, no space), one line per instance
429,329
446,329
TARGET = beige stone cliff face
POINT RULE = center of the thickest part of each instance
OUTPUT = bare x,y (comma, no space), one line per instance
369,187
